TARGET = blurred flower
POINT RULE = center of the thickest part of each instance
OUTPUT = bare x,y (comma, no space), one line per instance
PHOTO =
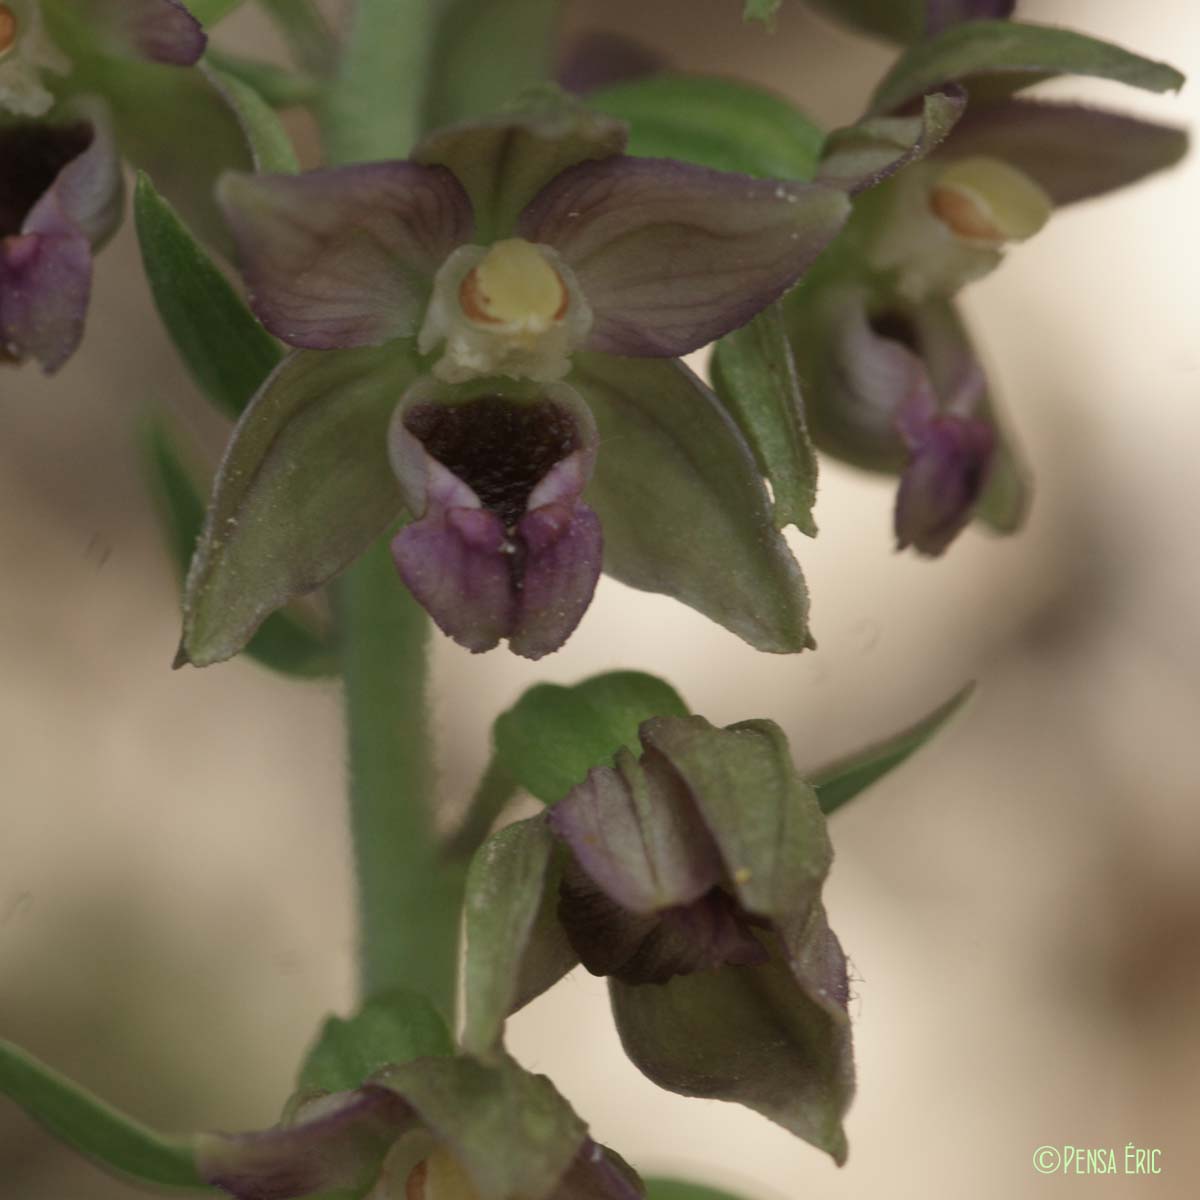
60,197
430,1129
892,381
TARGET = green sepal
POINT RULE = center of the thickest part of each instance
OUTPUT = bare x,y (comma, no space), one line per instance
228,353
304,488
515,947
284,642
504,161
754,374
472,79
554,735
510,1130
684,508
88,1125
1006,56
270,147
278,86
715,122
393,1027
750,1035
838,783
678,1189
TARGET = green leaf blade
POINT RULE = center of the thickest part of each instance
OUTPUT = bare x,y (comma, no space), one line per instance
91,1127
838,783
717,123
227,351
678,1189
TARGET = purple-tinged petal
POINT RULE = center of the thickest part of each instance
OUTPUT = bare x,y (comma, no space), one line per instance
866,153
161,31
86,194
346,256
563,555
602,58
943,481
671,256
941,14
454,560
336,1142
503,546
635,830
45,282
1071,151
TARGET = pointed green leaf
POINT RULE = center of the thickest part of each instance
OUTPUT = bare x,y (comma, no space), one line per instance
515,946
227,351
270,146
677,1189
90,1126
717,123
394,1027
754,374
284,642
839,782
1022,54
553,736
304,488
684,508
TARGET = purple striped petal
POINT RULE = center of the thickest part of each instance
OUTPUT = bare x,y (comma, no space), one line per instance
162,31
671,256
344,257
45,282
1071,151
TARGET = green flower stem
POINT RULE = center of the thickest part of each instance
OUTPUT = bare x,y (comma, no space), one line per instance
407,903
496,789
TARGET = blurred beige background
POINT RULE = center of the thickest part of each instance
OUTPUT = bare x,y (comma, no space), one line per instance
1021,903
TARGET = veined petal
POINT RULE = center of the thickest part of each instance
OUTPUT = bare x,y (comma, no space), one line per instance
671,256
1071,151
345,256
161,31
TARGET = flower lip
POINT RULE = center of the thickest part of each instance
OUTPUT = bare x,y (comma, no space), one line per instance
34,154
499,449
